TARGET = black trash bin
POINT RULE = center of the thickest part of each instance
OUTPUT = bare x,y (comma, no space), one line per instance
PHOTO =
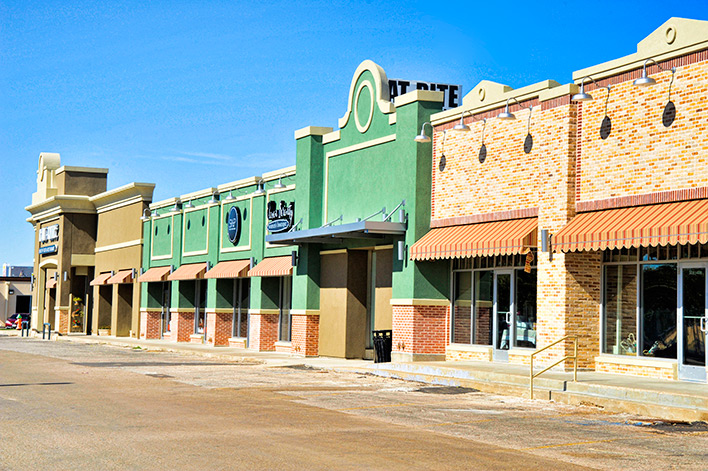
383,344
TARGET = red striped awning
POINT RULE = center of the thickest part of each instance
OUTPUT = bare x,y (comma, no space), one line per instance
273,266
685,222
99,280
53,283
191,271
230,269
123,276
477,240
155,274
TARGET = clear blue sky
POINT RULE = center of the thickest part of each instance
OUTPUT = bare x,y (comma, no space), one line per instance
189,95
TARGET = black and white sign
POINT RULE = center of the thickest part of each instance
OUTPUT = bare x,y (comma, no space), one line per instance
49,233
280,217
233,225
453,93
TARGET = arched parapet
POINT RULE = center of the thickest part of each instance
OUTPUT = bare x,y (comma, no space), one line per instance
368,83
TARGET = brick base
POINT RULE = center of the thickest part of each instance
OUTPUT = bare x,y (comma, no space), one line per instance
420,330
150,324
452,354
670,371
218,328
305,335
182,326
62,317
284,347
263,332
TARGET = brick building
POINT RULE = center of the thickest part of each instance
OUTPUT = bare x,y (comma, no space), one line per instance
584,215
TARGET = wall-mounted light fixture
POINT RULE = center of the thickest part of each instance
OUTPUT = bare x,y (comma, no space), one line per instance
645,80
154,214
66,276
214,198
279,185
293,258
582,96
401,250
507,115
260,188
422,137
176,208
544,240
230,197
189,205
145,217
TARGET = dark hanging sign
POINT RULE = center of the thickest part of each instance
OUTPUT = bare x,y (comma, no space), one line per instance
453,93
280,217
233,225
46,250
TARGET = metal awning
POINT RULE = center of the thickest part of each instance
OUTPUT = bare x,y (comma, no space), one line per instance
338,234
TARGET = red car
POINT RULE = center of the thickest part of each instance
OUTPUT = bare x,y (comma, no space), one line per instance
11,322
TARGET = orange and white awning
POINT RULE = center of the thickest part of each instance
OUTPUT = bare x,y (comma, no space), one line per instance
192,271
123,276
685,222
155,274
230,269
512,236
101,279
273,266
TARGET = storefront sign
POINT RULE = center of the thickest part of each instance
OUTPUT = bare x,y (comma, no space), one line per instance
49,249
233,225
280,218
453,93
49,233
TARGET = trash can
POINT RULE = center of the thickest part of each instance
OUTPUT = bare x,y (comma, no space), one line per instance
383,343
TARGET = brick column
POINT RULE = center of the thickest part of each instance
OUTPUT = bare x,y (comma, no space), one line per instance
182,326
218,328
150,324
62,316
420,333
305,334
263,332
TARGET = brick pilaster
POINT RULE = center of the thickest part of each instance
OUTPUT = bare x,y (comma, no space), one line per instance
263,332
305,335
182,326
420,330
150,324
63,321
218,328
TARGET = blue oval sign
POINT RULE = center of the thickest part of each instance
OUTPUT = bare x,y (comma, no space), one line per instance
233,225
278,225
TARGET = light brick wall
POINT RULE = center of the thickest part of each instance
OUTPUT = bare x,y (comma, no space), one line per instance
237,342
461,355
284,347
150,324
421,329
218,328
305,335
641,155
637,370
263,332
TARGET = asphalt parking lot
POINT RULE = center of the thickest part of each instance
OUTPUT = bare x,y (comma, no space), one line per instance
88,406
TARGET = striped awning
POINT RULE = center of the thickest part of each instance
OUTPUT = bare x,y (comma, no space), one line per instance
123,276
155,274
100,279
53,283
477,240
230,269
685,222
192,271
274,266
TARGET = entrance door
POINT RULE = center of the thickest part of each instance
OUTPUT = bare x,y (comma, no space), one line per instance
165,314
503,314
692,321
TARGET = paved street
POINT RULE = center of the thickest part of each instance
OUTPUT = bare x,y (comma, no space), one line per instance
85,406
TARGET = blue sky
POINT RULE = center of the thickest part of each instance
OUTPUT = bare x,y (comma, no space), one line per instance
189,95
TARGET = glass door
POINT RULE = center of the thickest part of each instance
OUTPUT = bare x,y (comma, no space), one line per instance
165,314
503,314
692,322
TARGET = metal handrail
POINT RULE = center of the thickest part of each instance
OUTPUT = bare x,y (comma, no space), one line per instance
574,356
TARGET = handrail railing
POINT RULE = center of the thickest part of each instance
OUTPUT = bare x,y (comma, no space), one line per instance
574,356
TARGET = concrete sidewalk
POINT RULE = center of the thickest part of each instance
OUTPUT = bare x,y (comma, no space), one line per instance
668,400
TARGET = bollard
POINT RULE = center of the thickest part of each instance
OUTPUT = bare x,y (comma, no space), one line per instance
25,329
47,328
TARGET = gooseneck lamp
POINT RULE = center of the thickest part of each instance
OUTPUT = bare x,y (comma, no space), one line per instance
422,137
645,80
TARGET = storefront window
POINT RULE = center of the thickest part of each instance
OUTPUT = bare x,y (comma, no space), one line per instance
285,327
200,304
462,308
241,302
620,310
659,295
525,309
483,306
